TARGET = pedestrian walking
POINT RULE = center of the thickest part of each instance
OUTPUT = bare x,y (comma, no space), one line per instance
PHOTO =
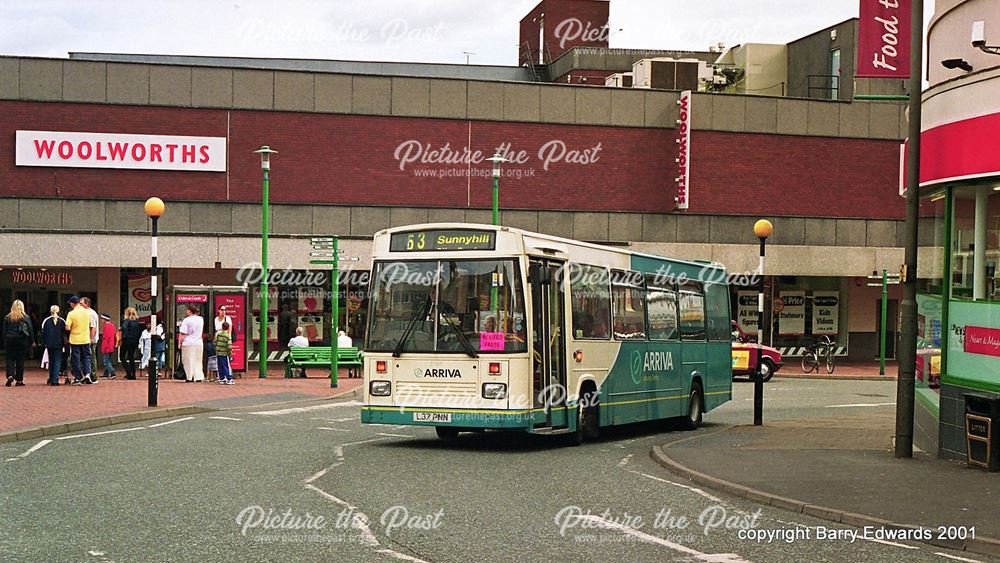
192,348
223,353
54,339
17,334
160,347
81,334
131,334
95,324
109,345
222,318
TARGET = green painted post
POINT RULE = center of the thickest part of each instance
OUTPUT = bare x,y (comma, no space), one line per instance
335,313
496,200
264,228
885,308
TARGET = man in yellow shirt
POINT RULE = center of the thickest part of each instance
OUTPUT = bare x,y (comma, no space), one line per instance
81,333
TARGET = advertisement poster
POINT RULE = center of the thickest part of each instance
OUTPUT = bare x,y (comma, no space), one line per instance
235,305
741,360
884,39
826,313
746,311
140,297
792,318
974,342
311,300
272,328
272,300
312,327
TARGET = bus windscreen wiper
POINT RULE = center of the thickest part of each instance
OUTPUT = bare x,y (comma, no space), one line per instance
469,348
422,312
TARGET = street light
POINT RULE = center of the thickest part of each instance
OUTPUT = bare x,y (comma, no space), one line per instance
496,159
154,208
265,153
327,251
763,229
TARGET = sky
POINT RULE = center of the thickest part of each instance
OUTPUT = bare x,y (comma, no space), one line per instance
439,31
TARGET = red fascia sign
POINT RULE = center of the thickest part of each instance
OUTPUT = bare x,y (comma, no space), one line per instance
961,150
683,159
186,298
119,150
884,39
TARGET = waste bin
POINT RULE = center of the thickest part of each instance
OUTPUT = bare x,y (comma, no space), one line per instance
982,430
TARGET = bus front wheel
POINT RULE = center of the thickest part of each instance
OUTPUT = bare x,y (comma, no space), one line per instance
588,419
446,432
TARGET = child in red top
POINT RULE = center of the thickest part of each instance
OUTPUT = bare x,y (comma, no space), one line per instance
109,343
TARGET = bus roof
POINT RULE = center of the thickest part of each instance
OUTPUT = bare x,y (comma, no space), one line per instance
542,236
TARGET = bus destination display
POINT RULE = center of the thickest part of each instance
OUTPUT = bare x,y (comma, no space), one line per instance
429,241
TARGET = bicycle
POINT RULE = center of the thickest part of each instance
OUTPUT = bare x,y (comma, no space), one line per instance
821,352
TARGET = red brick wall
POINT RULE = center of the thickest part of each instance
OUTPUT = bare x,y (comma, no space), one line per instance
351,160
587,29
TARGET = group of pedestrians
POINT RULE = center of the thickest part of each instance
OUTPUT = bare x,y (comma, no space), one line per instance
193,346
77,340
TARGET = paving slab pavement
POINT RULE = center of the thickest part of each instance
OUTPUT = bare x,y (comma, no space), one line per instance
37,405
844,468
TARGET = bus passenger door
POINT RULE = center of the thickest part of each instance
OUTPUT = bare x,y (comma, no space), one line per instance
548,341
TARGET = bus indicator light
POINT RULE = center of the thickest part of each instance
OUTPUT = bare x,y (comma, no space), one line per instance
494,368
578,356
380,366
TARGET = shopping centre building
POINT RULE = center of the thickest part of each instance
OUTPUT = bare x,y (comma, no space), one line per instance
959,304
365,146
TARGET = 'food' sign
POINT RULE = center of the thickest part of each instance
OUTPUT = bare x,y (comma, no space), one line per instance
884,39
118,150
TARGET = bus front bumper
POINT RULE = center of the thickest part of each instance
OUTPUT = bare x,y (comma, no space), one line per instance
458,418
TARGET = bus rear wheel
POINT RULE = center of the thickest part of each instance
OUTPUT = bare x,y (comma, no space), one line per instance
695,408
446,432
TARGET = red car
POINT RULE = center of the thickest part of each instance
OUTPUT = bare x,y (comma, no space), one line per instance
745,355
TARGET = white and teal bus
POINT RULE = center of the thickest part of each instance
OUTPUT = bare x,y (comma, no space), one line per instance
474,327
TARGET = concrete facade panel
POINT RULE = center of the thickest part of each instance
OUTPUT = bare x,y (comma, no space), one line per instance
624,227
83,215
660,109
170,85
590,226
449,99
854,120
333,93
402,216
527,220
824,119
128,84
253,89
628,108
369,220
85,81
292,219
851,232
820,232
762,114
41,79
593,106
330,220
213,218
9,88
485,101
40,214
558,104
521,102
212,87
793,117
411,97
659,227
729,112
555,223
294,91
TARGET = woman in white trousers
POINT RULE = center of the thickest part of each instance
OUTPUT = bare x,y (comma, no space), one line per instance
192,347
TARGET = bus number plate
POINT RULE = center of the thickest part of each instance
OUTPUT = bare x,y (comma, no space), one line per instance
432,417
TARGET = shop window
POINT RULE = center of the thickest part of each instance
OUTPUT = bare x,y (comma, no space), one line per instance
628,296
590,294
976,218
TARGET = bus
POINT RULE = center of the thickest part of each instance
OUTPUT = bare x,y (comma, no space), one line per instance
478,327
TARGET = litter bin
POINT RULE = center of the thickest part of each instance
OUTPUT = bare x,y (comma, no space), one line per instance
982,430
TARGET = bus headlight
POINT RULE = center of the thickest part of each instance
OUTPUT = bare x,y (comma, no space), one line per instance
380,388
494,390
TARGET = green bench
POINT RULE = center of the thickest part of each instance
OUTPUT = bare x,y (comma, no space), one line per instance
319,357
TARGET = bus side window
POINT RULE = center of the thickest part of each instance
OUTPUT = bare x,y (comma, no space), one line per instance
590,295
717,310
628,298
692,308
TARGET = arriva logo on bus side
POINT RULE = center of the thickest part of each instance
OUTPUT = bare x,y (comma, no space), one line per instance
649,362
442,373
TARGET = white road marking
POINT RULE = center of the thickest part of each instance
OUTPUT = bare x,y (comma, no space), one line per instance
34,448
101,433
337,451
695,490
393,435
399,555
328,428
893,544
721,557
362,442
13,459
225,418
93,553
296,410
625,460
360,520
856,405
957,558
170,422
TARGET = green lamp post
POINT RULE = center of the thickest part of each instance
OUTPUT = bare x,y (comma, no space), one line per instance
265,153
